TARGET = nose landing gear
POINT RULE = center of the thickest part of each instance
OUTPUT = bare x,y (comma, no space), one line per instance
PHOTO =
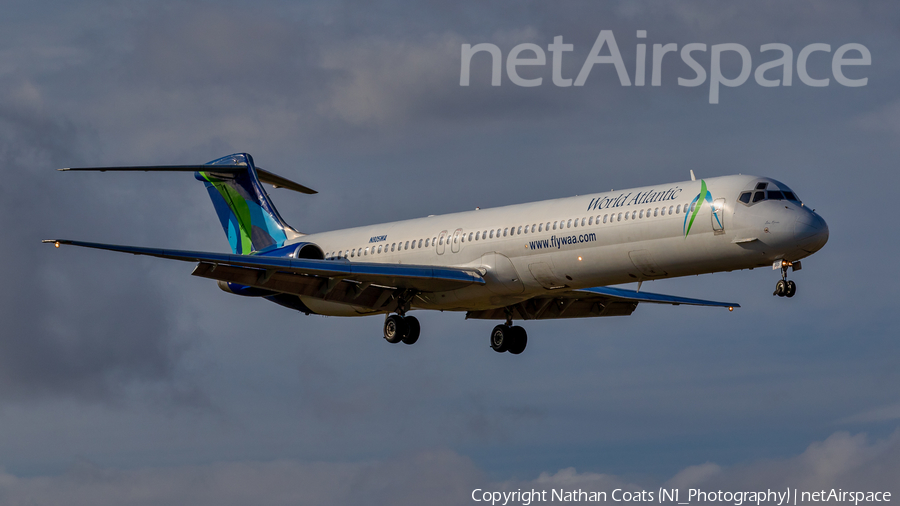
785,287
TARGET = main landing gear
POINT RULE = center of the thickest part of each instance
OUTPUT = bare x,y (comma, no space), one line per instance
785,287
401,328
507,337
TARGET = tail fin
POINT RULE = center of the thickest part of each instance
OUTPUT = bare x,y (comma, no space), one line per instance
247,215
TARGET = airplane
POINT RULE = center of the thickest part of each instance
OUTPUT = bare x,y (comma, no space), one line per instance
542,260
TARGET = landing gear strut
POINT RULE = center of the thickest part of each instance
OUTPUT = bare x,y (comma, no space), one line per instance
785,287
507,337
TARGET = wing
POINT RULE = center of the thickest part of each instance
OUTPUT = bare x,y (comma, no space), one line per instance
589,302
363,284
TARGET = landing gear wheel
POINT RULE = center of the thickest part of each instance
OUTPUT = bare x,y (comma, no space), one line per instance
395,328
412,330
780,288
500,338
790,289
519,341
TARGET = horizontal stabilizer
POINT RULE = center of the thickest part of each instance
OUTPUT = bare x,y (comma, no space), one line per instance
264,175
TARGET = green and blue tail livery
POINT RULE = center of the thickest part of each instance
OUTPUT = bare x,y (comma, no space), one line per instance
248,217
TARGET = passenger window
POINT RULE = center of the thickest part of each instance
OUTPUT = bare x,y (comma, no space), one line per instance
352,253
626,216
541,227
478,235
427,242
366,251
455,239
619,217
604,218
413,245
492,233
505,230
745,197
554,225
532,228
759,196
678,209
582,221
590,221
656,212
519,230
406,246
670,209
569,224
379,248
470,236
392,246
576,222
642,214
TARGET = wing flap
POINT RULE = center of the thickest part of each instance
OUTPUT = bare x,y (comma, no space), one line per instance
345,291
423,278
653,298
587,303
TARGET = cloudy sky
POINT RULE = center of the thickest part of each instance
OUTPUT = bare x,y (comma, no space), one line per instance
124,380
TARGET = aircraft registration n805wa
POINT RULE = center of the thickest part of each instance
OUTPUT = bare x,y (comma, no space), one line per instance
541,260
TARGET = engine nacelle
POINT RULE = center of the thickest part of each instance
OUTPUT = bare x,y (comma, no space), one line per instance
306,250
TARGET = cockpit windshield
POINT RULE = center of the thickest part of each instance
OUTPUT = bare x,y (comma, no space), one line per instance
767,190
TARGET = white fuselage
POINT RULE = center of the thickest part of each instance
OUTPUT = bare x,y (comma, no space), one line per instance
585,241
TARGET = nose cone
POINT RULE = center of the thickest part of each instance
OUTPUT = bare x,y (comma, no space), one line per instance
811,232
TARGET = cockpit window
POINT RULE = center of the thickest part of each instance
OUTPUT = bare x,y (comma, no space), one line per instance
767,190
